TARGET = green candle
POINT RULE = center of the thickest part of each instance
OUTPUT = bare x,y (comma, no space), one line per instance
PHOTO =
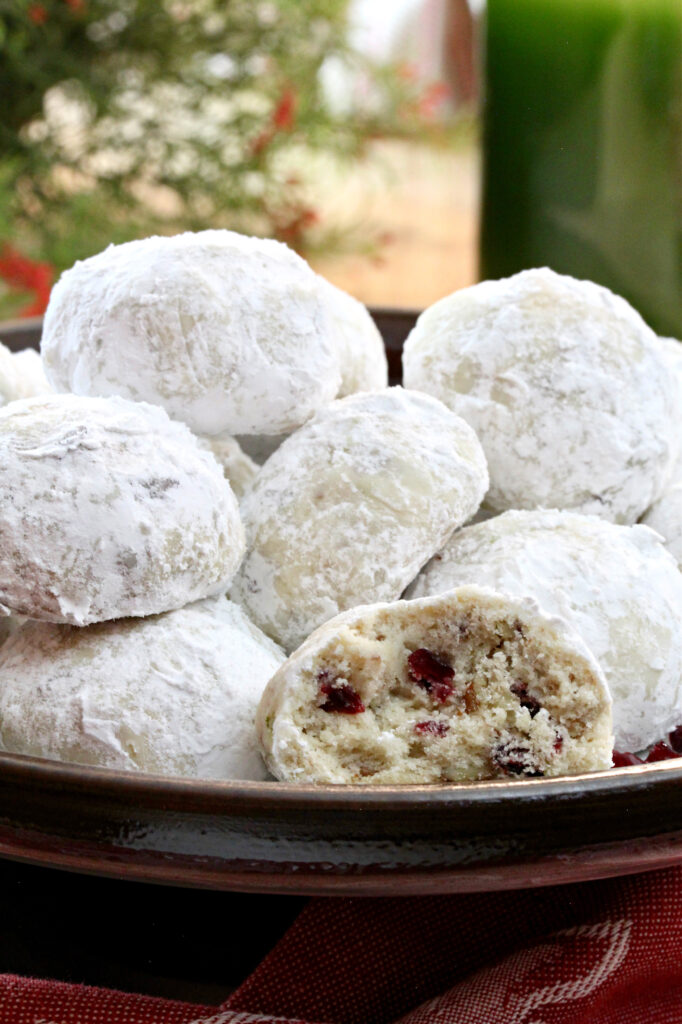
583,146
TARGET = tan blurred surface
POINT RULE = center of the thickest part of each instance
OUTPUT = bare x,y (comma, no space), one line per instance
424,201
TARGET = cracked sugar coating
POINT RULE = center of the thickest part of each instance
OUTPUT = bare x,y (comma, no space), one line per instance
470,685
174,694
616,586
108,508
239,470
350,507
227,333
21,375
565,386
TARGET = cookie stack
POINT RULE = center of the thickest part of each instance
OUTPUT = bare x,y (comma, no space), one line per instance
576,405
158,608
109,510
120,533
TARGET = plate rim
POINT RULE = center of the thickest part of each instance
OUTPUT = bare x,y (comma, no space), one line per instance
132,786
97,794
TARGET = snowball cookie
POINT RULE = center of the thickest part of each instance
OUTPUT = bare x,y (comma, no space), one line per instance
665,517
471,685
21,375
174,694
227,333
237,467
565,386
616,586
361,347
350,507
108,509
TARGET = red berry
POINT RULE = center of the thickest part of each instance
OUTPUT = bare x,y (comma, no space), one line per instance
432,728
340,697
675,739
515,759
622,759
525,700
432,675
661,752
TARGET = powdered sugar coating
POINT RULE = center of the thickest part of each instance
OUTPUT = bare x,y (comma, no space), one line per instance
616,585
108,508
665,517
362,355
174,694
563,383
351,505
362,359
385,726
671,351
236,465
227,333
21,375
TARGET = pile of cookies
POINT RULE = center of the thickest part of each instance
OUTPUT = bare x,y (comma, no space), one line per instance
435,583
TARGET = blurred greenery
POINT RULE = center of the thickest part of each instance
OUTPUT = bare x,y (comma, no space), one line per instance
126,117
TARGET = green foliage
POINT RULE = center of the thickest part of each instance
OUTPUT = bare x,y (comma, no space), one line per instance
122,118
122,115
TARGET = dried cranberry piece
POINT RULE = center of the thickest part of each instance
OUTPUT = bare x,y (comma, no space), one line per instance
675,739
341,698
558,743
432,728
515,759
432,675
623,758
520,690
661,752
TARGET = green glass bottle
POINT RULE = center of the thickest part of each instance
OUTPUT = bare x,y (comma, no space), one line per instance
582,162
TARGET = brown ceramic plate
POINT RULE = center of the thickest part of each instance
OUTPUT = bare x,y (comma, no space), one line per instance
341,840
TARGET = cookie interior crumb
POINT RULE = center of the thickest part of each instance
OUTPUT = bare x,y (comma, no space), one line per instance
422,697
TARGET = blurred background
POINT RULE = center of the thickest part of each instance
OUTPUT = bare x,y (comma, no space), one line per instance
346,129
360,132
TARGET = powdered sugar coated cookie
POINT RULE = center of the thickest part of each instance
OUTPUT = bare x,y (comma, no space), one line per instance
174,693
351,506
563,383
108,508
469,685
227,333
616,586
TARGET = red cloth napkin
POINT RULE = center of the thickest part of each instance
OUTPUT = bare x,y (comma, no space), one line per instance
597,953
